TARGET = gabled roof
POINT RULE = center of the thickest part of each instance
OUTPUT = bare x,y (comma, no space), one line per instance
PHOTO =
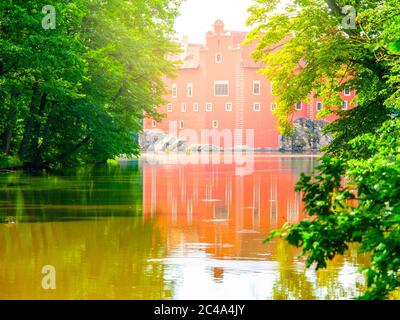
192,52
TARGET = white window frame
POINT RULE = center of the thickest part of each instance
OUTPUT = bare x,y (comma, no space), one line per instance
170,108
221,82
258,82
183,107
274,105
345,105
346,94
195,107
190,89
214,124
319,103
301,106
228,106
257,109
218,57
153,123
209,104
174,90
181,124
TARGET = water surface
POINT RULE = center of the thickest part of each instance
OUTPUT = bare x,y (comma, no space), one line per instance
157,230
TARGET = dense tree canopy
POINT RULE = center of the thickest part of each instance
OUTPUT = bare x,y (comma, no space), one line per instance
77,92
310,48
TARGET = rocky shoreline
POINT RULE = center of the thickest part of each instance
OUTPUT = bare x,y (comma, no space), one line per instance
308,136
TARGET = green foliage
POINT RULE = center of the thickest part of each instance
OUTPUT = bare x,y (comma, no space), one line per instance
77,93
364,208
305,50
354,196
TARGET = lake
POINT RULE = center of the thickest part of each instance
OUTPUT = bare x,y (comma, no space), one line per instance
160,229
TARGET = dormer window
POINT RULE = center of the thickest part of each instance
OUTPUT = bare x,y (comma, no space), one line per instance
218,58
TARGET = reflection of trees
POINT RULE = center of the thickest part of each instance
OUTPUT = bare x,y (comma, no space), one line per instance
329,278
106,259
292,282
297,165
89,192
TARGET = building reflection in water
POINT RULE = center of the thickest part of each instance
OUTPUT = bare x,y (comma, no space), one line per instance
189,195
214,223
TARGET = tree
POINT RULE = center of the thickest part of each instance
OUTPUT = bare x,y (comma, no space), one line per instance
77,93
355,195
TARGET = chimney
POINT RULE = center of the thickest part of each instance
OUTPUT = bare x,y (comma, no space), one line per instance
184,46
219,27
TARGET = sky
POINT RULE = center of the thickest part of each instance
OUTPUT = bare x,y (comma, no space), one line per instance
198,16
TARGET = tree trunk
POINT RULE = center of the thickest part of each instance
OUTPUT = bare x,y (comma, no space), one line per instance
332,4
24,150
46,133
36,131
11,121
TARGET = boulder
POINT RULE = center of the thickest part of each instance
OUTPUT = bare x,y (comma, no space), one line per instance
308,136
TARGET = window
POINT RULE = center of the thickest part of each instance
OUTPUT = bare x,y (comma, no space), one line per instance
344,105
256,87
214,124
221,88
190,90
154,123
169,107
218,58
298,106
195,107
183,107
228,106
174,91
209,107
181,124
273,106
319,106
346,91
257,107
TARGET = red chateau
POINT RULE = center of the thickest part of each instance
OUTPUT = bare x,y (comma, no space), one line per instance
218,88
